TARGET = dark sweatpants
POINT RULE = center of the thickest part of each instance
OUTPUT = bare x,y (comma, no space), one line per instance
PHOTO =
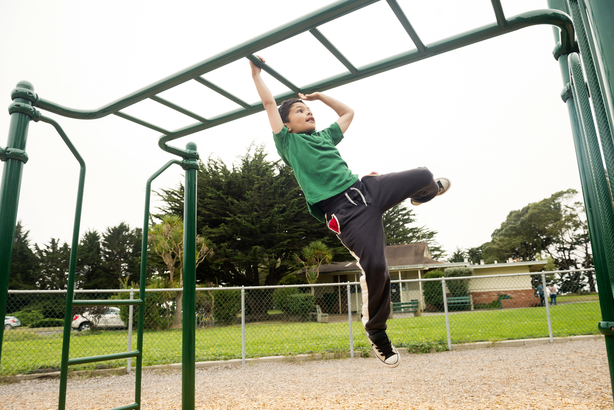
356,216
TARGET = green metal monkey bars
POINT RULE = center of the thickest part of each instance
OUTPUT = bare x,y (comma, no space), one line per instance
587,15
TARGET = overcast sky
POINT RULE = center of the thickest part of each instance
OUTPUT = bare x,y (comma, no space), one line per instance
487,116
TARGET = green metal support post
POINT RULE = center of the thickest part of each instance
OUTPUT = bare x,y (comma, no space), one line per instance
601,16
188,365
597,199
15,157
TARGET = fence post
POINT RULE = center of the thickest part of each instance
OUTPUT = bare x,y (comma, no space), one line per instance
445,309
130,311
243,324
350,320
547,308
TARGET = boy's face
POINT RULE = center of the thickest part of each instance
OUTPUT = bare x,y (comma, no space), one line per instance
301,120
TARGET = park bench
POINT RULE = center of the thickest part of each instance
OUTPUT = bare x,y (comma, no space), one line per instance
406,307
459,302
318,316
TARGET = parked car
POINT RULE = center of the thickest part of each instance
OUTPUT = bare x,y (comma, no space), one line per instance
109,319
11,322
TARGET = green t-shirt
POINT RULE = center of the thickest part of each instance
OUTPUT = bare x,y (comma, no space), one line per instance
317,164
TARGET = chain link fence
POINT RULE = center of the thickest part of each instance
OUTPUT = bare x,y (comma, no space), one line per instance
430,314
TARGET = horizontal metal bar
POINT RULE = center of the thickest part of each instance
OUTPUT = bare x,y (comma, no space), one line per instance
221,91
104,357
128,407
274,73
406,25
108,302
141,122
284,32
529,19
178,108
292,286
496,5
333,50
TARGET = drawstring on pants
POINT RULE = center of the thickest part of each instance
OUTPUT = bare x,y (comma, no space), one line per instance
361,195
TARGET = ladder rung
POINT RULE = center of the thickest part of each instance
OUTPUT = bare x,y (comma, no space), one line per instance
127,407
107,302
105,357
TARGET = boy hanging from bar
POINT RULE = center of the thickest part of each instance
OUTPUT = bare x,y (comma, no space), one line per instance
351,207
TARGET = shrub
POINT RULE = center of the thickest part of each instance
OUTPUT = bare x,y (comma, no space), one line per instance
300,304
227,306
159,310
280,298
27,317
458,287
433,294
330,302
48,323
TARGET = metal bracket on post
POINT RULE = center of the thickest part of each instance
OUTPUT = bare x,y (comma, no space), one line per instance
567,92
13,153
560,50
606,328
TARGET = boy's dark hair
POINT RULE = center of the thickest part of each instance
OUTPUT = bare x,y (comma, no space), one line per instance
284,108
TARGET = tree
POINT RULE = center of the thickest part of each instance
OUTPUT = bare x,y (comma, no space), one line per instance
540,227
397,225
555,227
92,272
166,240
24,263
459,255
475,254
122,252
255,215
54,264
313,256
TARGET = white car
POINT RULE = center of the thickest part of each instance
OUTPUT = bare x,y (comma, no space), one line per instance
109,319
11,322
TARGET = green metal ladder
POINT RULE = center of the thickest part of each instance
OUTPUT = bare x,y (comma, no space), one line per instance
26,99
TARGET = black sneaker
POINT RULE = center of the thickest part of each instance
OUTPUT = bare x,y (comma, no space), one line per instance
443,183
384,350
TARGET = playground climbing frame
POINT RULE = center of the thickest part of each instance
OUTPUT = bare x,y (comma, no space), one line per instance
591,16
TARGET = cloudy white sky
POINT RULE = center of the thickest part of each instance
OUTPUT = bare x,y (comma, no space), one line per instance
487,116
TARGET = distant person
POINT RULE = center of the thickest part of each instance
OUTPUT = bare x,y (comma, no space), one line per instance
553,291
540,292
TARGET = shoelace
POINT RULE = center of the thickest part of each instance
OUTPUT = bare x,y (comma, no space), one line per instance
385,348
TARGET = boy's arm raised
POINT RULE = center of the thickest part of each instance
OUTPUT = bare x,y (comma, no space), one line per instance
270,106
345,113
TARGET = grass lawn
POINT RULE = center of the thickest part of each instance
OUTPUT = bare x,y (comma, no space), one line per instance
25,351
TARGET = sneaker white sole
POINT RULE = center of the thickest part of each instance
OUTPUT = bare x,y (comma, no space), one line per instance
392,361
444,185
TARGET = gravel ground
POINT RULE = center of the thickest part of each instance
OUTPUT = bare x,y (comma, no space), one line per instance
570,375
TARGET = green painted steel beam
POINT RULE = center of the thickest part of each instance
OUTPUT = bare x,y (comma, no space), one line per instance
188,361
141,122
309,22
104,357
538,17
222,92
496,5
284,32
333,50
177,108
406,25
10,186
